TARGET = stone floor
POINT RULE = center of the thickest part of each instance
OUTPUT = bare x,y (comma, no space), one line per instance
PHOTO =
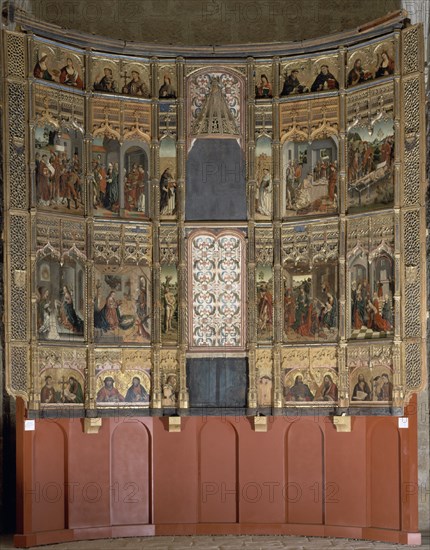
223,543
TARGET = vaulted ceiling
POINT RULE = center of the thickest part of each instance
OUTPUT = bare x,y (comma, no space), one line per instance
208,22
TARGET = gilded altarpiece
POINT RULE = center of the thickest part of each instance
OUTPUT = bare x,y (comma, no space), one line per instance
316,285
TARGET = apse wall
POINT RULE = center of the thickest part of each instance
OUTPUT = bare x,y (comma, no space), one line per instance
218,476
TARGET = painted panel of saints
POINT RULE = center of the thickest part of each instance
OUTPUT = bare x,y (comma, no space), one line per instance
309,75
366,65
61,386
135,80
60,300
58,171
167,80
263,84
372,294
311,304
371,385
310,176
131,387
169,303
168,187
105,176
136,181
310,385
371,167
263,171
106,76
122,306
264,303
59,66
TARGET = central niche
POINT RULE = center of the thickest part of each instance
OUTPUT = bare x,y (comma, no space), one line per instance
216,280
215,170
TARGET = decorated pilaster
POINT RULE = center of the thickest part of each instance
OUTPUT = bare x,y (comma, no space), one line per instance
182,246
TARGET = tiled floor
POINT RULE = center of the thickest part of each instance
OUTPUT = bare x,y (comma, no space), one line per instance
223,543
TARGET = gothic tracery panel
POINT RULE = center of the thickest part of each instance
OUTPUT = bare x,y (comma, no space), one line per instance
216,282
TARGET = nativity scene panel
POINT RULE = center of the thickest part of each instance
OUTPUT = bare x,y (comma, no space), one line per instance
122,305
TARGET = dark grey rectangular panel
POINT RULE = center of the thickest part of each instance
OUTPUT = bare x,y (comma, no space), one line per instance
215,181
217,382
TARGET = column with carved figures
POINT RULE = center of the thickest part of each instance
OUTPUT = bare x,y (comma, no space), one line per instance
277,245
251,193
156,268
342,205
182,241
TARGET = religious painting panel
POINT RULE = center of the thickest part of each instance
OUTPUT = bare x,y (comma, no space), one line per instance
58,172
216,283
370,375
60,295
167,81
310,375
264,305
369,63
105,176
371,166
135,165
263,82
169,378
310,174
264,377
311,303
123,378
301,76
61,380
310,279
59,65
122,305
372,293
263,176
168,186
371,277
135,79
105,75
169,303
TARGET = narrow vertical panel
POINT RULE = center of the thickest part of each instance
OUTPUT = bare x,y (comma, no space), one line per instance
49,478
384,471
218,473
304,473
130,481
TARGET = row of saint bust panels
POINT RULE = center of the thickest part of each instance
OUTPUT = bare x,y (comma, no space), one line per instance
319,73
63,383
120,176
